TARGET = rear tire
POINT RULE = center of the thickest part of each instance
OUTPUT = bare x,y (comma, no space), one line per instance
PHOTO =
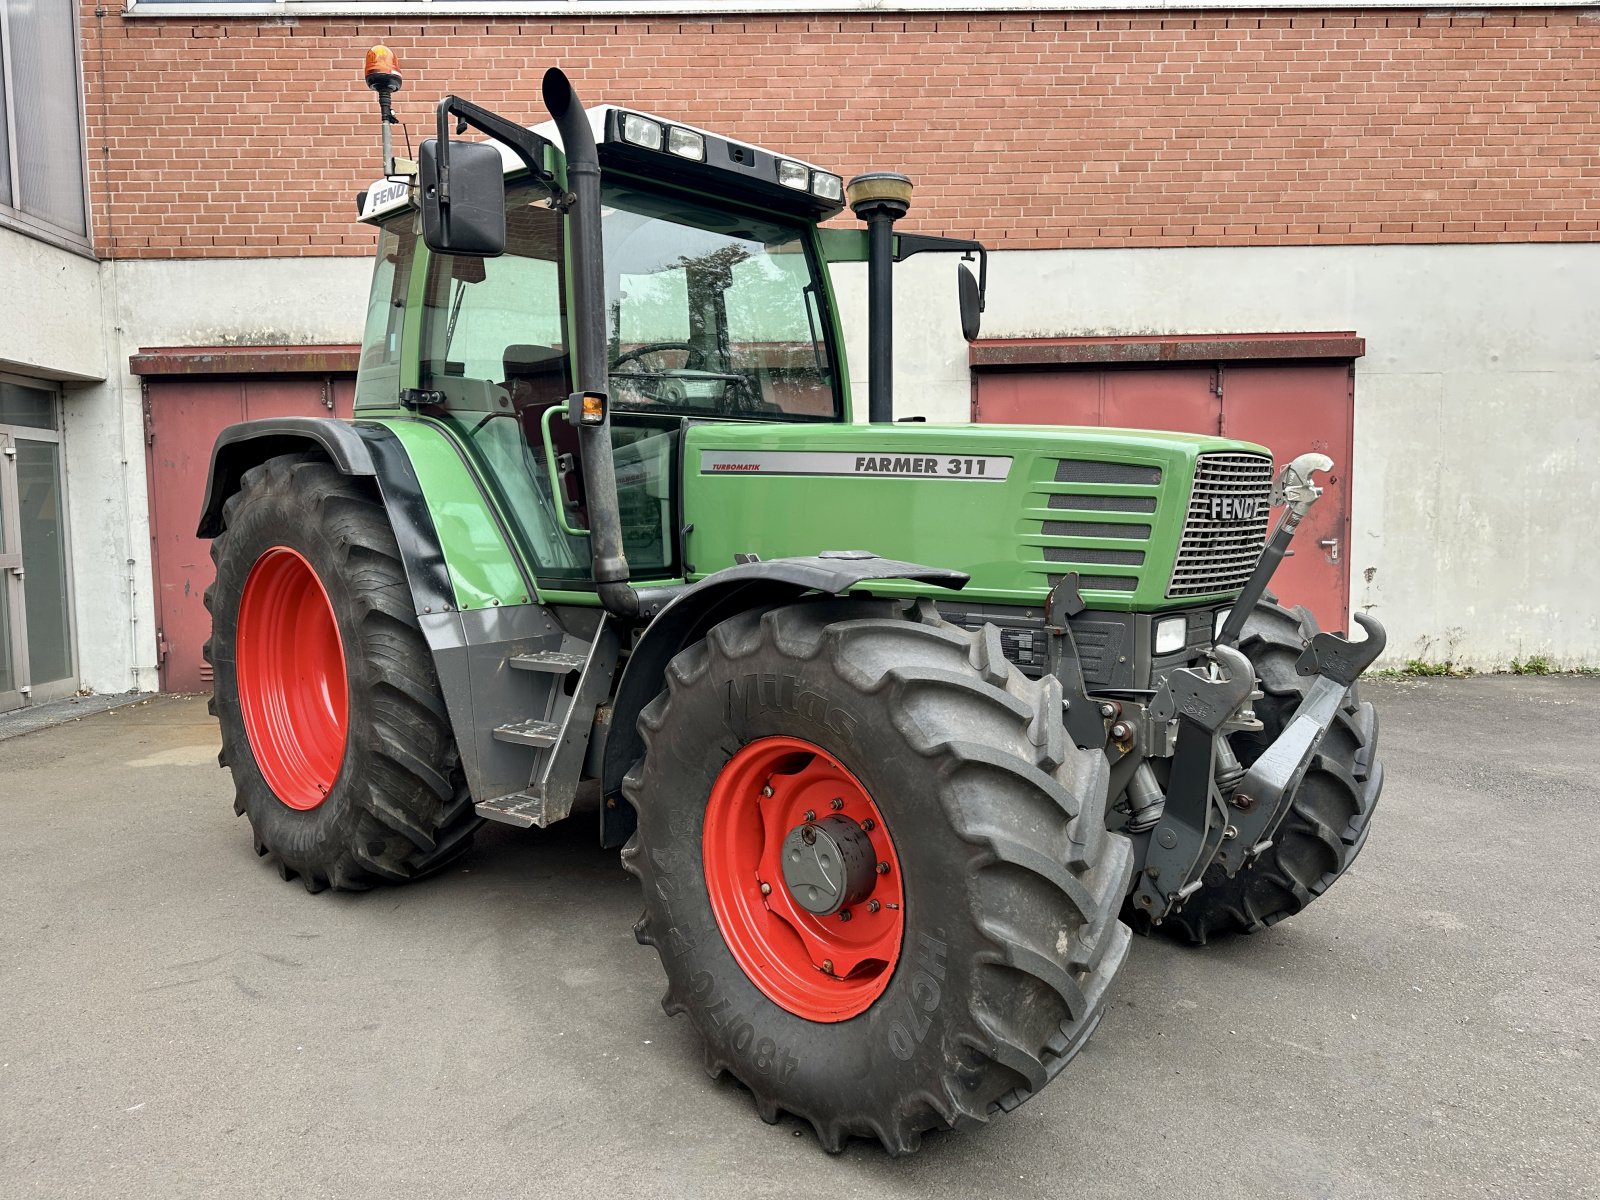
1011,883
1331,813
388,803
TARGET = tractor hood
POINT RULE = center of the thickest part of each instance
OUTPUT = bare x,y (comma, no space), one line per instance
1017,507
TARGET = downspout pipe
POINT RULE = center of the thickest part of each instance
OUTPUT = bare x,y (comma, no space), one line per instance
587,264
880,199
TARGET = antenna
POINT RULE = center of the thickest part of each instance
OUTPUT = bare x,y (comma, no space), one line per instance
383,77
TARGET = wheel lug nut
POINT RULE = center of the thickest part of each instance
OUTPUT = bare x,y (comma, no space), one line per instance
869,825
811,814
767,791
883,868
844,914
836,804
873,906
766,889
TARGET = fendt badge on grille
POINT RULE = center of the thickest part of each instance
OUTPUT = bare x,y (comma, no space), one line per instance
1235,508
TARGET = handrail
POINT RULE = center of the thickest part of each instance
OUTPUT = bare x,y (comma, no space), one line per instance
556,492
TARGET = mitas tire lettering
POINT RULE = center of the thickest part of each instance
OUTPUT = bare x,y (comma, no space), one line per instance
751,695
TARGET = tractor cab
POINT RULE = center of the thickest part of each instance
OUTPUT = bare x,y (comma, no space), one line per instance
717,308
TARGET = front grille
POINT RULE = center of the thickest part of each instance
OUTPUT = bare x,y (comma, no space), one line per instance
1226,526
1111,506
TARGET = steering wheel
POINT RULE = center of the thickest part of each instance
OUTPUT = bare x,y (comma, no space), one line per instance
695,361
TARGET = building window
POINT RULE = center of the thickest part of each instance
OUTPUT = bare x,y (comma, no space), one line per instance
41,119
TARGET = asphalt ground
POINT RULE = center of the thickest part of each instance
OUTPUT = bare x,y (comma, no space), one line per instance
176,1021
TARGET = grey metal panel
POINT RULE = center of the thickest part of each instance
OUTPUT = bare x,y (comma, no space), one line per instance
482,690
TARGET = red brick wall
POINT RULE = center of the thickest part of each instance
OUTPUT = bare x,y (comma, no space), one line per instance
245,137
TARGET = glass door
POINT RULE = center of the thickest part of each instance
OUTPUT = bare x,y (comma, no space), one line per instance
13,669
37,654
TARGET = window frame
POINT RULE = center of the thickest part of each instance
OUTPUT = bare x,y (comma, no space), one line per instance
12,215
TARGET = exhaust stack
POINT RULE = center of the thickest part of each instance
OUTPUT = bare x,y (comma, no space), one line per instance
611,571
880,199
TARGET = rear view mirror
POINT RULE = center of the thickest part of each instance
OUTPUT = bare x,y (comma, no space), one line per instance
472,219
971,301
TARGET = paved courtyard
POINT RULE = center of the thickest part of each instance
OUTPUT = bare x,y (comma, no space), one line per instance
176,1021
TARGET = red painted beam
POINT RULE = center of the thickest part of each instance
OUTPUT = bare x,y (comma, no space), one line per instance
245,360
1162,348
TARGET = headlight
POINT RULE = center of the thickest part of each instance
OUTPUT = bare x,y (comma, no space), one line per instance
829,187
1172,634
641,131
686,143
794,175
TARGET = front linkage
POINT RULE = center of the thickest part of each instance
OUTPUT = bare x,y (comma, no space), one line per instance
1213,809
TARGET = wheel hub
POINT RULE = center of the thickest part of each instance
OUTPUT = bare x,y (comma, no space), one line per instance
828,865
803,879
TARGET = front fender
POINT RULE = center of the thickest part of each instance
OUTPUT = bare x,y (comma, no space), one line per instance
692,613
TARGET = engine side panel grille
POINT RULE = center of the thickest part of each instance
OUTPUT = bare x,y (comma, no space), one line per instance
1226,525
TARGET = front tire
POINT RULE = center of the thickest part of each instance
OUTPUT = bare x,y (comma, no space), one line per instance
332,720
1331,813
989,830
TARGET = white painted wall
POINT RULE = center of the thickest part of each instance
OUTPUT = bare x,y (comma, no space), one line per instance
1477,405
1476,488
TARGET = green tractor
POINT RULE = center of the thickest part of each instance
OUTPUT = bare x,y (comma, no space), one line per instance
902,727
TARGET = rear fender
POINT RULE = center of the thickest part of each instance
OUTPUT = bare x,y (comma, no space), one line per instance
471,626
370,451
693,612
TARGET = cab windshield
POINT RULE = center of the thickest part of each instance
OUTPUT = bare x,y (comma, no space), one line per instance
711,313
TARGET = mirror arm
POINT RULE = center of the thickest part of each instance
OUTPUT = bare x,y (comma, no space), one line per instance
527,145
907,244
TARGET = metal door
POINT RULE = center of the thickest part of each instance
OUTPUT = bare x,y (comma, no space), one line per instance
13,646
1289,407
183,415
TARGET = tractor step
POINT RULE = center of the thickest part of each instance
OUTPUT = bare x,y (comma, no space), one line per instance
553,661
520,809
529,733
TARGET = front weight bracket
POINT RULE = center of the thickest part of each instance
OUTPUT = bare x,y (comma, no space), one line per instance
1194,822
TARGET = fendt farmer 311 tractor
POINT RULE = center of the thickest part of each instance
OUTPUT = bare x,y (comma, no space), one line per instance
901,726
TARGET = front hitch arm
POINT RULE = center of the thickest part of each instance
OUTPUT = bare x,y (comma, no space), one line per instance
1267,791
1296,493
1194,822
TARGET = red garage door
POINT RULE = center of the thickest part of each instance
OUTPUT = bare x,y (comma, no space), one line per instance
189,396
1291,393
